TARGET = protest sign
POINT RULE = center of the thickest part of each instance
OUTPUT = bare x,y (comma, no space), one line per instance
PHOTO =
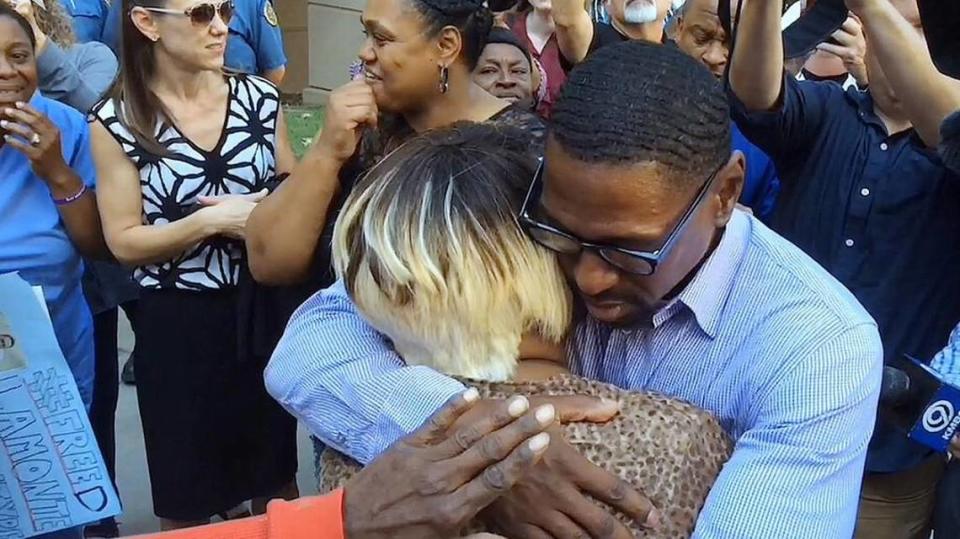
52,475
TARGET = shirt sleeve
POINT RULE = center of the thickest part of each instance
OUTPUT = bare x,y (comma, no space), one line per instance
343,380
786,132
267,39
78,78
947,362
307,518
797,471
950,142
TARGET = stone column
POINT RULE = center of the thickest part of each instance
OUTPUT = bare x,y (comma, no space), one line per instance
293,22
335,37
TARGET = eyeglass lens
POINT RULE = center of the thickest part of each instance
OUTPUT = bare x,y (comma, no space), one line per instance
204,13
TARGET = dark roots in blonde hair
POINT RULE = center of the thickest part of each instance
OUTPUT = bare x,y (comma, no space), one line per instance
429,248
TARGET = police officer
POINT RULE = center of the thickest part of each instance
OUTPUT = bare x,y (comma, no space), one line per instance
255,44
88,18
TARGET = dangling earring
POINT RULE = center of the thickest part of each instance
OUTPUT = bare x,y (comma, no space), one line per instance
444,79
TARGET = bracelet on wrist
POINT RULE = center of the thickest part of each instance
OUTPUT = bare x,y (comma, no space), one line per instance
72,198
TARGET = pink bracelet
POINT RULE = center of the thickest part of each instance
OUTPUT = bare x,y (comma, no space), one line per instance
71,198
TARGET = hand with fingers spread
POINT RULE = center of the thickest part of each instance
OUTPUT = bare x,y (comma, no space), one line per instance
34,135
350,109
227,214
850,46
432,483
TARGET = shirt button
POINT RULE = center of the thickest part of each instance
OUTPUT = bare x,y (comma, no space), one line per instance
865,192
883,146
848,243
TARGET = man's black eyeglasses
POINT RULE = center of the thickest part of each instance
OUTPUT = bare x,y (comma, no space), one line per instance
201,14
630,261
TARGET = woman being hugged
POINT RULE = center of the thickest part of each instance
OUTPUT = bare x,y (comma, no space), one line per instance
185,153
417,64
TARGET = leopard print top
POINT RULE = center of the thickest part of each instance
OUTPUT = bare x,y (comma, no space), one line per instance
668,449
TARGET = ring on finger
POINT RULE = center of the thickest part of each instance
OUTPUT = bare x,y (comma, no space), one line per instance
35,139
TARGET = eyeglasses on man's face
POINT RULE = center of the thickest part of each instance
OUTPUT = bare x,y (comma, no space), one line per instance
201,14
631,261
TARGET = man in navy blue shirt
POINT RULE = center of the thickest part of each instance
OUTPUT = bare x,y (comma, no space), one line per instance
865,194
255,43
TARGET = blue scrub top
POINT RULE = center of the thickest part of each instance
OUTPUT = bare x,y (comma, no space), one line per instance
35,244
255,43
89,17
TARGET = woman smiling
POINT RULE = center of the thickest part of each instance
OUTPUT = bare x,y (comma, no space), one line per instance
418,60
48,214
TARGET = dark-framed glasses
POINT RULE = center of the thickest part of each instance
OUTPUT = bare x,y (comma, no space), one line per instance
201,14
627,260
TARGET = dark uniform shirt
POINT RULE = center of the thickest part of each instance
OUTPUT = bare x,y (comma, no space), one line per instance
878,211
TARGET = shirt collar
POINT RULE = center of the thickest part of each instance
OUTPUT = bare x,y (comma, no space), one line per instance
707,293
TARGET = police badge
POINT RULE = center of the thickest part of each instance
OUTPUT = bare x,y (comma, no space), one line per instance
270,14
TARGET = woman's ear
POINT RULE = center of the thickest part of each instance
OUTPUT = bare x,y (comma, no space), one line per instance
449,44
145,23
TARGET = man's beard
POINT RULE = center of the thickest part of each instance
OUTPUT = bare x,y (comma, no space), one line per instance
641,12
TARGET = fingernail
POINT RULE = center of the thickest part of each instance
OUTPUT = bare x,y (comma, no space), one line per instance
20,104
539,442
518,406
4,123
653,519
546,414
610,402
471,395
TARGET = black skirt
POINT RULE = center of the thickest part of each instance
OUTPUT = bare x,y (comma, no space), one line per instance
214,437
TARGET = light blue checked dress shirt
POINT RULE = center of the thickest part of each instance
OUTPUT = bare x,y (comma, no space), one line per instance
947,362
763,337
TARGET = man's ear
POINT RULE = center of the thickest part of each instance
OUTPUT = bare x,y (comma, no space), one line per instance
729,186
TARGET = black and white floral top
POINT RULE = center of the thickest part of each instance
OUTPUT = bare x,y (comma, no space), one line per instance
242,162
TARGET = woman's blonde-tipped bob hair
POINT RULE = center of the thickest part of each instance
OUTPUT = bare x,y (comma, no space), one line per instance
429,248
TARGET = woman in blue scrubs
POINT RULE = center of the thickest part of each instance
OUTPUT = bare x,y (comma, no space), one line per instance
48,212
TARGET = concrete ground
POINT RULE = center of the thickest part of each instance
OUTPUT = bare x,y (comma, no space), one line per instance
132,478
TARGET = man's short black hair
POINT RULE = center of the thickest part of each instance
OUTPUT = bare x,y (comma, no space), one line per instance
636,101
506,37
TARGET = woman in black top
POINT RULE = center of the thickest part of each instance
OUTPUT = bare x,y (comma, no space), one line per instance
417,59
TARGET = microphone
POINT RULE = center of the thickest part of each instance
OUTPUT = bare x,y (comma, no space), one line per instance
895,387
914,398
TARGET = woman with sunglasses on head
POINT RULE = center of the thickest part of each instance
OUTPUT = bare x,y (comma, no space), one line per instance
186,152
417,75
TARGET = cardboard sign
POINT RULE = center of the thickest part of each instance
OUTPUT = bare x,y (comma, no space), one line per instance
52,475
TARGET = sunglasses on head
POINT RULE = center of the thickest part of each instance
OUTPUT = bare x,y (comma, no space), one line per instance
201,14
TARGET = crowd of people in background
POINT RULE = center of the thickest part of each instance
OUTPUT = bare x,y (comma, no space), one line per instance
752,234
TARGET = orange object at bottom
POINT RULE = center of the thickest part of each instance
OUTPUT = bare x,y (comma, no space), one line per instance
318,517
